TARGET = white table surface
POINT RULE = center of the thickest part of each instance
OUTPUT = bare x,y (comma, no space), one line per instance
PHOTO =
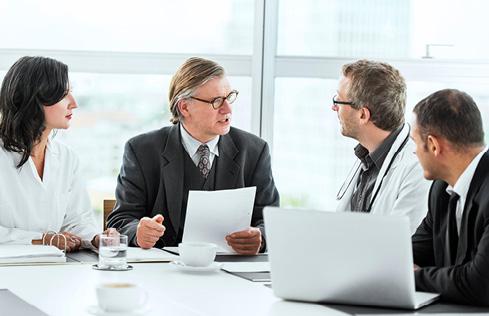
67,290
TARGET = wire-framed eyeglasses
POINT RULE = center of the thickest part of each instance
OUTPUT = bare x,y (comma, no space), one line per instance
219,101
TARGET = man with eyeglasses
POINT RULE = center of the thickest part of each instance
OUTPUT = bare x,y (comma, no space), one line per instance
387,178
201,151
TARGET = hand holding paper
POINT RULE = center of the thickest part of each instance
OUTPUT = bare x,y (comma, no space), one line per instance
245,242
213,215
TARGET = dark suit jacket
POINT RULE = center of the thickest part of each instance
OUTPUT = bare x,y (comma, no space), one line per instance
152,174
467,281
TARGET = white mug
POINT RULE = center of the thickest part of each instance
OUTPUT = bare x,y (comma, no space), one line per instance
197,254
120,297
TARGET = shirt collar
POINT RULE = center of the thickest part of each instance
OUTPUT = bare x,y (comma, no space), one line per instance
378,156
192,145
462,185
51,148
362,154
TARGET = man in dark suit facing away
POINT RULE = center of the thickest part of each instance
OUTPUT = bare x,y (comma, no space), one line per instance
200,151
451,246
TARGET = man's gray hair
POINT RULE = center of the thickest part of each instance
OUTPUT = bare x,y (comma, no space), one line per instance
380,88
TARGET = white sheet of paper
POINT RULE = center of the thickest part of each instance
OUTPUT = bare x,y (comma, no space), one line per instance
246,266
136,254
219,252
30,253
211,215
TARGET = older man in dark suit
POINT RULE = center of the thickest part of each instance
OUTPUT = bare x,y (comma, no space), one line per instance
451,246
201,151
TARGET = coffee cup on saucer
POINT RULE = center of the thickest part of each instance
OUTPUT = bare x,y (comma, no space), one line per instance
120,297
197,254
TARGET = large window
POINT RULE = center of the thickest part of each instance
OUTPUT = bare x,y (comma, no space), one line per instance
344,28
189,26
435,44
310,155
383,28
121,56
284,57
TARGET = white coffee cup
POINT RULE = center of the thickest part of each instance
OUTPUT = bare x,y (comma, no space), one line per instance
197,254
120,297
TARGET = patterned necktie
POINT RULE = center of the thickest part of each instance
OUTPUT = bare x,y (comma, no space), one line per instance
203,165
452,233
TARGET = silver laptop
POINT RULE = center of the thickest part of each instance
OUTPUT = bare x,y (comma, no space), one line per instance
343,258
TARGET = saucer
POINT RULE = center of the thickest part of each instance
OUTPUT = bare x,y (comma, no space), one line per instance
215,266
96,267
97,311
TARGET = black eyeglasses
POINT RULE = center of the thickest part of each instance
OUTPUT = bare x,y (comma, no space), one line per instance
218,102
336,102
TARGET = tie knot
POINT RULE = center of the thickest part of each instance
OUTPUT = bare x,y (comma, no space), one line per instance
203,150
454,197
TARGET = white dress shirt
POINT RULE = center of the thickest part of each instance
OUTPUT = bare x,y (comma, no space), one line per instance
30,206
462,186
191,146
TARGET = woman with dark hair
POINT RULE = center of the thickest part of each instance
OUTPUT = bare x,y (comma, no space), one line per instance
42,198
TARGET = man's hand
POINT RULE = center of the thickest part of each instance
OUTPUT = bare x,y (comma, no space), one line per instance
72,242
416,267
245,242
149,231
109,232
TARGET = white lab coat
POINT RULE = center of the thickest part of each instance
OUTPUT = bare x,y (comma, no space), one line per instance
403,191
30,206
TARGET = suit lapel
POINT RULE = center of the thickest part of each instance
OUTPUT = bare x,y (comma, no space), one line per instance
480,174
172,170
227,170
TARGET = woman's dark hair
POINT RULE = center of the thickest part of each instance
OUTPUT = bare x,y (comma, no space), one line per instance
29,85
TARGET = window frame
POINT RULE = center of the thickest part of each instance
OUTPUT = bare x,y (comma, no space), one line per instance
263,66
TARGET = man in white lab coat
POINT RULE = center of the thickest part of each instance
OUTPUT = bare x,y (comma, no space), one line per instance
387,178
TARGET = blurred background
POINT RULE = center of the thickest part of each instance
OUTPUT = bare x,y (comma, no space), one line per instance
283,56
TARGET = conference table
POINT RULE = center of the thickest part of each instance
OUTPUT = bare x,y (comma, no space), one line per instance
69,290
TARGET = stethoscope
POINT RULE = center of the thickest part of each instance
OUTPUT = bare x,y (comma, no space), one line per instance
356,169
